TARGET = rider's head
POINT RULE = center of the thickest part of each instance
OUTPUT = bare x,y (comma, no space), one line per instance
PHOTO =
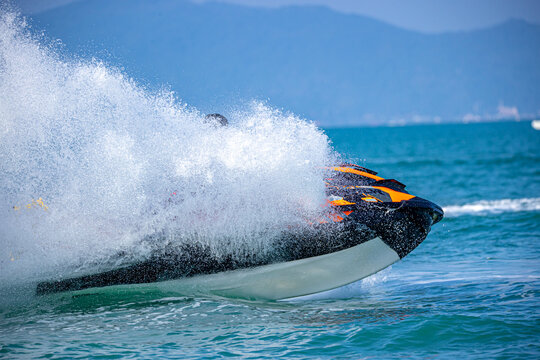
217,119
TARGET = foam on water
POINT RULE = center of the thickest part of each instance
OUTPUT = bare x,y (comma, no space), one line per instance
91,163
493,207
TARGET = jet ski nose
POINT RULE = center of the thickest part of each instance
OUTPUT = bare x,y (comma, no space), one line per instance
437,214
418,204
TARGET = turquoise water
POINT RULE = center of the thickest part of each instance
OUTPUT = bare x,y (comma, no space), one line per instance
471,290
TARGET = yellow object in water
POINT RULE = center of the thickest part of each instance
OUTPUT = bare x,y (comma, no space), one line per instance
39,202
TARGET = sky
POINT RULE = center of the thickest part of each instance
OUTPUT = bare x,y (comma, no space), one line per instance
428,16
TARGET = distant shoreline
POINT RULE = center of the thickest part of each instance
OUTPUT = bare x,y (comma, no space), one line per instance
408,124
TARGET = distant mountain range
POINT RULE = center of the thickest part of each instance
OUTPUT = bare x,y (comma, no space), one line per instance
334,68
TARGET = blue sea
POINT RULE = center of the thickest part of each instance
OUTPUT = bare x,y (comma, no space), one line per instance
470,290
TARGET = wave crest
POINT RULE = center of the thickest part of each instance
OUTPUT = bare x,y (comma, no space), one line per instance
493,207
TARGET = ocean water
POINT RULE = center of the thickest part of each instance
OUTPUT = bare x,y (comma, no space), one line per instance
101,152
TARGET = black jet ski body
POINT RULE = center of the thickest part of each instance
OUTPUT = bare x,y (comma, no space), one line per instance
362,209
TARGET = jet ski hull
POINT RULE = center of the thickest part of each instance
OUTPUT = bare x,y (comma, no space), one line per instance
278,281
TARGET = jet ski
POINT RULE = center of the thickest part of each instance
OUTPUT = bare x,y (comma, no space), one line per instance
368,224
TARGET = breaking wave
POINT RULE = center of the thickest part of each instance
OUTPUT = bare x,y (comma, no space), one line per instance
493,207
91,163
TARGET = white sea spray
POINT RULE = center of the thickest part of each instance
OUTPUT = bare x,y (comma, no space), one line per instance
91,164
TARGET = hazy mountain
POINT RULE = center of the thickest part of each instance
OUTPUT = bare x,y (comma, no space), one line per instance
328,66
